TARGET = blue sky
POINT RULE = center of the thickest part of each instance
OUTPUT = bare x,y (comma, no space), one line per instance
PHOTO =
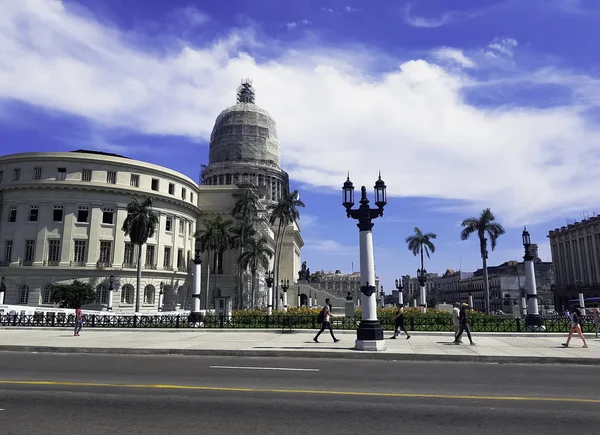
461,104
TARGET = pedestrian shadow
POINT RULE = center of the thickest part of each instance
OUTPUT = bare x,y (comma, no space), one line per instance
446,343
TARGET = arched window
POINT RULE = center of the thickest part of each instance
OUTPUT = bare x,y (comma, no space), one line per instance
127,294
101,294
24,296
149,294
47,295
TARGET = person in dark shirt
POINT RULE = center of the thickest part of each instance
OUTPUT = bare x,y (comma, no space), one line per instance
464,325
399,322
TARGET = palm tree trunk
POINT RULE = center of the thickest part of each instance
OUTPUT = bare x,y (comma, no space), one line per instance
278,247
240,271
216,274
424,302
253,288
486,285
139,279
209,253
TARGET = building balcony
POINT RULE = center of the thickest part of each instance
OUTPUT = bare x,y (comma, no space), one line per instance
103,264
77,264
52,263
129,266
182,268
26,263
150,266
4,263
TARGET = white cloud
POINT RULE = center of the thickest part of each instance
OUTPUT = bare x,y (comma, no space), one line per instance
295,24
453,55
444,19
307,220
330,247
333,113
502,46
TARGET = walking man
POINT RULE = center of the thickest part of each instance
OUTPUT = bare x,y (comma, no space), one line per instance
325,318
399,322
464,325
575,327
597,318
78,321
455,319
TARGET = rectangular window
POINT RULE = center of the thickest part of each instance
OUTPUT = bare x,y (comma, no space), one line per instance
128,254
83,214
154,185
29,251
107,216
183,193
57,215
171,189
190,229
79,254
17,174
149,255
167,258
86,175
180,259
53,252
24,296
1,176
134,180
47,295
227,178
12,214
37,173
8,251
33,213
191,197
105,252
181,226
61,174
169,224
111,177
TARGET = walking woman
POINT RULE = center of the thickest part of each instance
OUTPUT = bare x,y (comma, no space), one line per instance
575,317
464,325
399,322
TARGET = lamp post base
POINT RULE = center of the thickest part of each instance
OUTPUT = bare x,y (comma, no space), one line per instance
534,323
369,336
195,317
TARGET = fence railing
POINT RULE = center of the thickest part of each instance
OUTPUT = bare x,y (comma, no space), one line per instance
285,322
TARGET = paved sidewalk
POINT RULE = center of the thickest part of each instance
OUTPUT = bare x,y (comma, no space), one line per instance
490,347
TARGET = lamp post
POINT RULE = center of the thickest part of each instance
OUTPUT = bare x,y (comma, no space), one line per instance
269,281
2,290
161,296
422,278
400,289
299,298
370,332
523,303
310,304
533,320
195,314
285,285
580,291
109,300
471,302
382,298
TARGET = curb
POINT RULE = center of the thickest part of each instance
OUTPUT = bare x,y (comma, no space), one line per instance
379,356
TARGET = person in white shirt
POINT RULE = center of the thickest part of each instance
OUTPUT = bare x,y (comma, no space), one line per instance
575,327
326,312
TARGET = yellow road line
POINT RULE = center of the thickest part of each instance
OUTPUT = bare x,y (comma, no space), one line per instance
292,391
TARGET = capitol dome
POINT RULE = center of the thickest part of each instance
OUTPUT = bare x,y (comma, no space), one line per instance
244,132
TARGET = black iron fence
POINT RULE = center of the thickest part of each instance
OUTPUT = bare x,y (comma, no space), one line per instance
277,321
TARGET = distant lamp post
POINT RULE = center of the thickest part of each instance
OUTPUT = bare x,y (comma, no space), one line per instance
370,332
2,290
533,320
161,296
422,278
285,285
382,298
299,298
400,289
269,281
523,303
195,316
471,302
111,288
580,291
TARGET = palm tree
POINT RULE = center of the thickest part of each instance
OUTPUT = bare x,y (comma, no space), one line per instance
215,239
283,213
482,225
256,255
139,225
420,243
245,210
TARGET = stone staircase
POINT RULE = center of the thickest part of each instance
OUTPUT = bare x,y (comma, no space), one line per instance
318,297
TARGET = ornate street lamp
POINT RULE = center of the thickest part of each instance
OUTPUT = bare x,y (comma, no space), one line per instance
269,281
533,320
285,285
2,290
111,288
370,332
382,298
195,316
400,289
161,295
422,278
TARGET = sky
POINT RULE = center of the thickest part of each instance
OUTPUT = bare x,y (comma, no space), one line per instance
461,105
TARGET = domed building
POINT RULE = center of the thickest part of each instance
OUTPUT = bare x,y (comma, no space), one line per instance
61,215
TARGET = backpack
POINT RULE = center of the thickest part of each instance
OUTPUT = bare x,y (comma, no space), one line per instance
321,316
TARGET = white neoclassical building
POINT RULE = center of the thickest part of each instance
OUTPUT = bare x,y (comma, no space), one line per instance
61,215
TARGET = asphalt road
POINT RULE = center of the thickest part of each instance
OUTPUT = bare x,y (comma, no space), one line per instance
96,394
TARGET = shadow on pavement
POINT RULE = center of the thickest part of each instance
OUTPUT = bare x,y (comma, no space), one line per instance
304,347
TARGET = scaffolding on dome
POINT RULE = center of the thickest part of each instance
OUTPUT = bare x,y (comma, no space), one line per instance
245,92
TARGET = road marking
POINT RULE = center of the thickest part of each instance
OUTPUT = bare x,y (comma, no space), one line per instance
291,391
285,369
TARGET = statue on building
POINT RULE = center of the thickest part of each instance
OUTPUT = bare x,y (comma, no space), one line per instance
307,276
302,273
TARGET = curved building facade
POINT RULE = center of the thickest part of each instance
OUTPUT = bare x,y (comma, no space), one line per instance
61,220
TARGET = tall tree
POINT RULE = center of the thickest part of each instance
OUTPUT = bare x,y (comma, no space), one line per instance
73,295
140,224
256,255
420,243
215,239
283,213
245,210
482,225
